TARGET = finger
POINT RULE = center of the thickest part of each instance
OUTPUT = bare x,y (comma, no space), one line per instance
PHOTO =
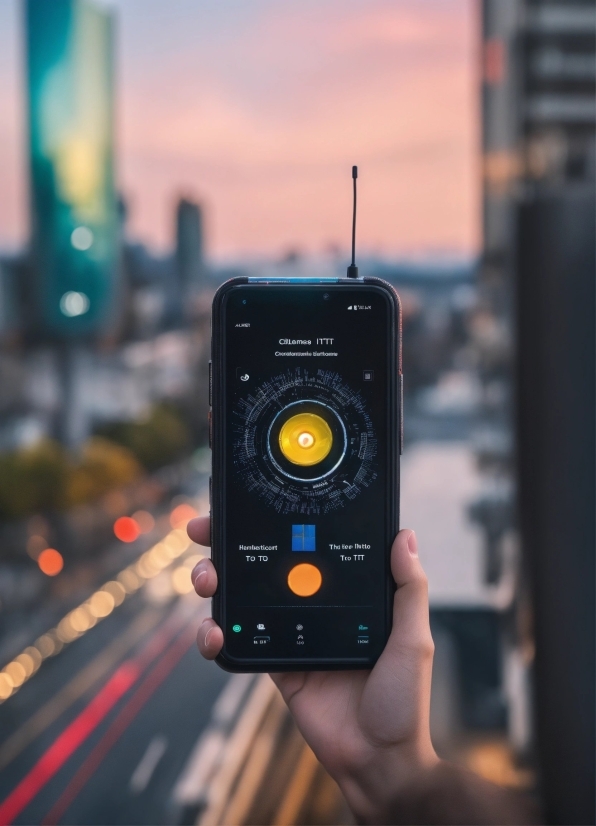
411,625
289,683
210,639
199,530
204,578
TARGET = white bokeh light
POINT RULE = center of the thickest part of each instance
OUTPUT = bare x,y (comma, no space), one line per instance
73,304
81,238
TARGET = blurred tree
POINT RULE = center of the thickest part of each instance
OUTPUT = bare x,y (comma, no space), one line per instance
33,479
159,439
103,466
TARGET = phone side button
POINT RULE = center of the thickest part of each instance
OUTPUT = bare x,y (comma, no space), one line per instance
210,383
210,425
401,413
210,491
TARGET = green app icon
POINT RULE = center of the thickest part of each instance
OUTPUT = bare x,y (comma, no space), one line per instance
236,628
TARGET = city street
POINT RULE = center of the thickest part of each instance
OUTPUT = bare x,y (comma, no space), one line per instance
102,731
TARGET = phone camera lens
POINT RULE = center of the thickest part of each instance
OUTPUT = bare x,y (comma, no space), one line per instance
325,296
244,300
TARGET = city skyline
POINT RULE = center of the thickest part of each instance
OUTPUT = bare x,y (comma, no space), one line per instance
260,112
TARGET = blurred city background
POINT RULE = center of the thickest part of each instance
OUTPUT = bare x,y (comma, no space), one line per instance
151,150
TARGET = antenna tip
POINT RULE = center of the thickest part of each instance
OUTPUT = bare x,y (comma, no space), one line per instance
354,172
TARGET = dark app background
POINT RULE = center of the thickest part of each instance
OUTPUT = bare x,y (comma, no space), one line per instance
346,617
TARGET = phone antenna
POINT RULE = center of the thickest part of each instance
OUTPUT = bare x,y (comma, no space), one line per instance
353,269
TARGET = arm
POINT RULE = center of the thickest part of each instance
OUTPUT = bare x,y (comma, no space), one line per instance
370,729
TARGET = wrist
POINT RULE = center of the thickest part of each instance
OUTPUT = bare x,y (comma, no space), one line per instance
375,782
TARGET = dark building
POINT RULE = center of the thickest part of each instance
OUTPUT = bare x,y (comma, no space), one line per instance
190,256
535,336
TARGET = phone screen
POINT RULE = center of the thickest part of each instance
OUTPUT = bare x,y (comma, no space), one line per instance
307,468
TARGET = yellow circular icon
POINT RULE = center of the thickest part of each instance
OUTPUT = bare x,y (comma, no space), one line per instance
305,439
305,579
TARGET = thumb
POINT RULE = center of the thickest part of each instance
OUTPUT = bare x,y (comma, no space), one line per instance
411,625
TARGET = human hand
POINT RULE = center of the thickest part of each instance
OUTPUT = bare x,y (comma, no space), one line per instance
370,729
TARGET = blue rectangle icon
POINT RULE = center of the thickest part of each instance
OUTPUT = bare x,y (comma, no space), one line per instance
303,538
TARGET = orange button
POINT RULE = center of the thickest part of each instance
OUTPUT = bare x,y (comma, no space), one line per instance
305,580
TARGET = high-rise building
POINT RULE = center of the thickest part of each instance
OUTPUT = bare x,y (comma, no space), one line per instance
190,253
74,222
535,333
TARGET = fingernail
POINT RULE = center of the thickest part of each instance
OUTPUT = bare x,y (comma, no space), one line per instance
197,572
207,635
413,544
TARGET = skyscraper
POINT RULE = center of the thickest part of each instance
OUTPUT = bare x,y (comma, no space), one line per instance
190,246
537,287
74,224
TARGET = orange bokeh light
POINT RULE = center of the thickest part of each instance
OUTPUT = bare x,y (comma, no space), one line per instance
50,562
126,529
181,515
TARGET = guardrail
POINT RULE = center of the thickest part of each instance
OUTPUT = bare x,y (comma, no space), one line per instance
251,765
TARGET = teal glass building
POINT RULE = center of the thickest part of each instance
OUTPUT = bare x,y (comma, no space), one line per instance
74,216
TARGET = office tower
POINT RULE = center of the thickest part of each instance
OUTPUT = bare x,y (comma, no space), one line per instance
537,283
190,246
74,223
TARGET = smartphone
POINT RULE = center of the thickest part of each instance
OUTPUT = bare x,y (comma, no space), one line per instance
306,433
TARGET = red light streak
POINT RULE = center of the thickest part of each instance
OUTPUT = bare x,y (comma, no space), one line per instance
147,688
87,721
67,742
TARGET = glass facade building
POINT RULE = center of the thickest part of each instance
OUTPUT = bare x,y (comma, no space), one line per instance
69,53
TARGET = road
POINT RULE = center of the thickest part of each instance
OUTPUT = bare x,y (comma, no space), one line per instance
102,731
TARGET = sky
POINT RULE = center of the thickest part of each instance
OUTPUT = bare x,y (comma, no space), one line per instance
259,108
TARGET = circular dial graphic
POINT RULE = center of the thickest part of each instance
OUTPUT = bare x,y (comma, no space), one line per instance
304,442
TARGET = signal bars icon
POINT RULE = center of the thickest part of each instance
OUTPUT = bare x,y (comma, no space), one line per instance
352,307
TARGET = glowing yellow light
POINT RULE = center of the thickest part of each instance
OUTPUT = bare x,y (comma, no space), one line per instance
65,630
27,662
45,645
161,555
35,656
129,580
6,686
101,604
177,542
181,581
305,439
116,590
81,619
146,566
16,672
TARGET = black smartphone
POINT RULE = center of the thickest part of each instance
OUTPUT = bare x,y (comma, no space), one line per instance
306,424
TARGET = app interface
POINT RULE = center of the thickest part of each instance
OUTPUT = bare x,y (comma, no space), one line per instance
306,469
